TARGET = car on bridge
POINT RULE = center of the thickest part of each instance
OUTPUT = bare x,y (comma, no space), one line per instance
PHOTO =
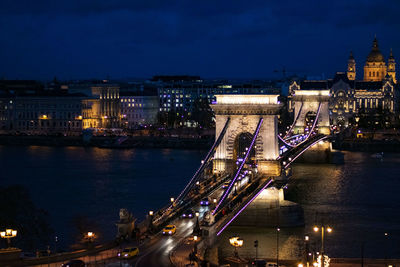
128,252
169,229
205,202
226,185
74,263
188,214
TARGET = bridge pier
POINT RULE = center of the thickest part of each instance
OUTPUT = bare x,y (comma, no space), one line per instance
270,209
269,168
319,153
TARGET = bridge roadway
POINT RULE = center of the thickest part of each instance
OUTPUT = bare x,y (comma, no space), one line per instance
156,250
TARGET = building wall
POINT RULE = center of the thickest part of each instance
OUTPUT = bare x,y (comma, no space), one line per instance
139,110
374,71
46,115
103,109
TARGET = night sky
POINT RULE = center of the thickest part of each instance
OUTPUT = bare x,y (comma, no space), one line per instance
79,39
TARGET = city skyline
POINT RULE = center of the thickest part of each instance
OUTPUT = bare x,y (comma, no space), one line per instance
81,40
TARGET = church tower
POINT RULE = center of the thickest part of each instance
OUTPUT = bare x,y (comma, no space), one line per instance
351,67
375,67
391,70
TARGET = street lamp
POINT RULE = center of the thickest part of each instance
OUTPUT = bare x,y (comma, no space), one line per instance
306,240
277,246
8,234
195,244
237,242
329,230
197,229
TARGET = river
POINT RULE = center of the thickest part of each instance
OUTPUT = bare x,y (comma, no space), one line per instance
359,197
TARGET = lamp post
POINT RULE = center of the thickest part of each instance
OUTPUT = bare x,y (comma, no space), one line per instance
236,242
195,244
151,214
277,246
90,236
306,240
386,247
329,230
8,234
197,229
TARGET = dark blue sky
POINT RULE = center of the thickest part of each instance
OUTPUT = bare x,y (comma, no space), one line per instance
78,39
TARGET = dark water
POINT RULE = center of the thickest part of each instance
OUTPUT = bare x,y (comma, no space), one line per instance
96,183
359,198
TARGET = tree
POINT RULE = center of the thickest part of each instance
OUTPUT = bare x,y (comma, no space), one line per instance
17,211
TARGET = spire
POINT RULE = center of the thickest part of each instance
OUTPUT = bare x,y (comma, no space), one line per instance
351,55
391,54
375,44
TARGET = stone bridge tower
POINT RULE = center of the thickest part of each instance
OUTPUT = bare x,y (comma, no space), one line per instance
245,112
306,102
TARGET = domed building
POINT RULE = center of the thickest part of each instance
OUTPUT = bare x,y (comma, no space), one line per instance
373,99
375,68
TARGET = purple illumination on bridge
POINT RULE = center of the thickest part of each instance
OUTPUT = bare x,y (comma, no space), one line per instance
245,206
241,166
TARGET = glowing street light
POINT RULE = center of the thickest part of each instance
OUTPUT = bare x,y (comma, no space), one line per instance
329,230
8,234
236,242
151,213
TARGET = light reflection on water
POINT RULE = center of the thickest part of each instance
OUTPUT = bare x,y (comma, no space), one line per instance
359,199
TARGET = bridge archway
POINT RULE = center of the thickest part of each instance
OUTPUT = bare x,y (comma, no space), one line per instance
241,146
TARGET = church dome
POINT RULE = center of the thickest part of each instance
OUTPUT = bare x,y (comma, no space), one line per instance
375,55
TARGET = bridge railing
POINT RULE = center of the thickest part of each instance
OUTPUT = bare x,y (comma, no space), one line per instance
178,210
245,200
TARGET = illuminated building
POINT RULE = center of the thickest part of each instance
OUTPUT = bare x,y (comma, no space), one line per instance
43,114
180,92
138,109
102,109
351,99
375,68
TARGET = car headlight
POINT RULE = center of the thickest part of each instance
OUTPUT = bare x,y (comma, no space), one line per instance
170,232
163,233
119,254
126,255
190,215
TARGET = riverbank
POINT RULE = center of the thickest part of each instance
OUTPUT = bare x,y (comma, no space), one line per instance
109,142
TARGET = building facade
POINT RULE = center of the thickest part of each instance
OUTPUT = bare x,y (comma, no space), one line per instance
373,99
138,110
102,108
42,114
